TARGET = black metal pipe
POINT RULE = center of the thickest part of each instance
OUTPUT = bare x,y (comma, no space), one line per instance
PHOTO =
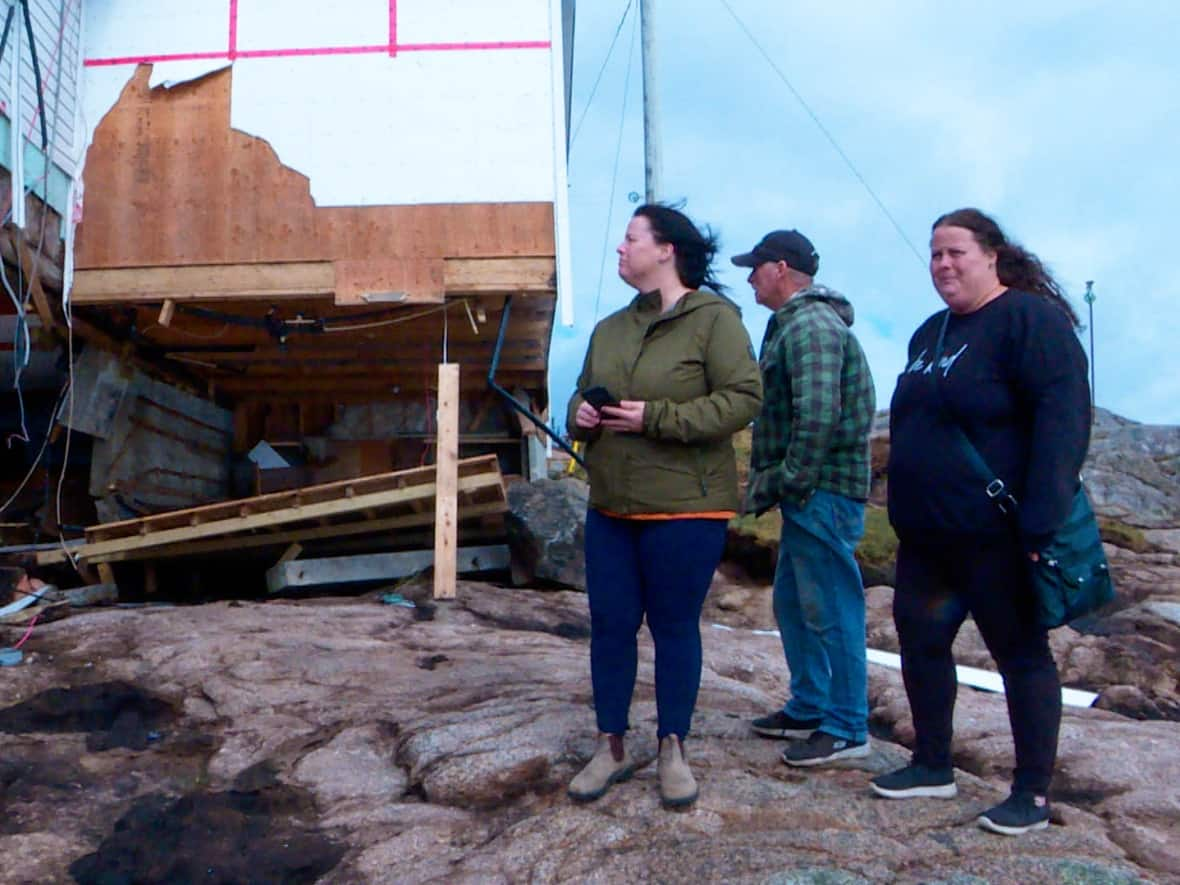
510,399
7,25
37,83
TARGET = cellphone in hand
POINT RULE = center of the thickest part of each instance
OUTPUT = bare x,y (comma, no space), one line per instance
599,397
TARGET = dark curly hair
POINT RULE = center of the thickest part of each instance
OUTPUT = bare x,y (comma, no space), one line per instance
693,249
1015,265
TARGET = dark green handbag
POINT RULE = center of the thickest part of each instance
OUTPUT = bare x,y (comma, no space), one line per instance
1071,576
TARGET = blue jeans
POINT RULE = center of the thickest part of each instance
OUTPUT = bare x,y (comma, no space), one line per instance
661,569
819,603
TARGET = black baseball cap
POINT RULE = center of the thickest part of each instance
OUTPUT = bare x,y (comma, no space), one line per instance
782,245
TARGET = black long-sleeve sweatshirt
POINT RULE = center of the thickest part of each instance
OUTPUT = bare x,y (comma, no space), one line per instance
1013,374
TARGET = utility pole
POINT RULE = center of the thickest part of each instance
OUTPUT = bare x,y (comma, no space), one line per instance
651,117
1090,298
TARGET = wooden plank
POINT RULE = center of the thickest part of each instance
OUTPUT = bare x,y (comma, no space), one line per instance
203,282
399,480
167,311
476,275
47,269
290,553
364,281
234,543
30,267
247,521
337,571
446,505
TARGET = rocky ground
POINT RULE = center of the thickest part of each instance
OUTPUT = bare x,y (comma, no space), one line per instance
344,741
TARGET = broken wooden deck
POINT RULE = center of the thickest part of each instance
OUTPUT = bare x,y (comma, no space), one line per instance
368,504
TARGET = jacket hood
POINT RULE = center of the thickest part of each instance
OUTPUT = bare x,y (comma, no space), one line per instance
831,297
694,298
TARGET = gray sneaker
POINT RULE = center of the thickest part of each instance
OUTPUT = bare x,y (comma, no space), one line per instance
779,725
822,748
916,781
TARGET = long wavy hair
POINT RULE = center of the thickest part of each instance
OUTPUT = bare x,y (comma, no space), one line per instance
694,249
1016,266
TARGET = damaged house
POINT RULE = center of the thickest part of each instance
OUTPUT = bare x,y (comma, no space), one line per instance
244,236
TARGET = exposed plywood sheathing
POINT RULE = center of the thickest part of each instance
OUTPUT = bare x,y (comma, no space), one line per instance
275,298
166,165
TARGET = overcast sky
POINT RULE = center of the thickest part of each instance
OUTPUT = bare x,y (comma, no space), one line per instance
1059,117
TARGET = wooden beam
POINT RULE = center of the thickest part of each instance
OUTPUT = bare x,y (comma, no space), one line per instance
476,275
234,543
30,268
392,351
204,282
290,553
251,522
446,504
376,386
48,270
373,281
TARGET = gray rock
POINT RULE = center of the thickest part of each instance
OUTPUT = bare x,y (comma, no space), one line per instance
1133,471
458,773
546,524
1168,611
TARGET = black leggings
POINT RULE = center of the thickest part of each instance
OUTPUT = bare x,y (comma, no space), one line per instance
937,586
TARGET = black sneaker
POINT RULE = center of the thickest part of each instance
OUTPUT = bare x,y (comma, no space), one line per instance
822,748
915,781
1021,812
780,725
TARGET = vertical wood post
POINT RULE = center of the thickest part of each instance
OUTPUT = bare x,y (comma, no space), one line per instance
446,504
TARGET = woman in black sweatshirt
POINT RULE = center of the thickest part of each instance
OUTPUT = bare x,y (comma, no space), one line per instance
1003,362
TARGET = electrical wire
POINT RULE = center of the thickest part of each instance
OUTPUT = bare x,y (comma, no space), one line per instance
826,133
28,632
353,327
22,355
41,451
601,71
610,204
21,352
65,458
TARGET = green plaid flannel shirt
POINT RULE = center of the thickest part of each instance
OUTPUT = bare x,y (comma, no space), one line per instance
817,408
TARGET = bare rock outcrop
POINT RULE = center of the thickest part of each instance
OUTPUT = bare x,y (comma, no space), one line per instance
546,524
343,741
1133,471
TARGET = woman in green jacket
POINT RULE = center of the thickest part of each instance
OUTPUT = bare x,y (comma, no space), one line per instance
677,379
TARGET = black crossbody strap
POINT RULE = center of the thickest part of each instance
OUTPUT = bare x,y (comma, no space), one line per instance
995,488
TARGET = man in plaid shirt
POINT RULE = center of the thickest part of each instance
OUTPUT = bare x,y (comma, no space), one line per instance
810,458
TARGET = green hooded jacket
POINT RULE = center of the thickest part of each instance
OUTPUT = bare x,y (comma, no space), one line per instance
695,370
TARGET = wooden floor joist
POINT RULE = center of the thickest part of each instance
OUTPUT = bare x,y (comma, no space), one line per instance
203,282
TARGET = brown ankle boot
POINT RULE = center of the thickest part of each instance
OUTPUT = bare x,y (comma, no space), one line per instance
611,764
678,788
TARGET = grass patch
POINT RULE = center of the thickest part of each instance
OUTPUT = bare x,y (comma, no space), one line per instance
876,553
1125,536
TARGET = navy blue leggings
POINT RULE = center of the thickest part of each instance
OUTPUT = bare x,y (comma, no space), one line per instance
661,569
